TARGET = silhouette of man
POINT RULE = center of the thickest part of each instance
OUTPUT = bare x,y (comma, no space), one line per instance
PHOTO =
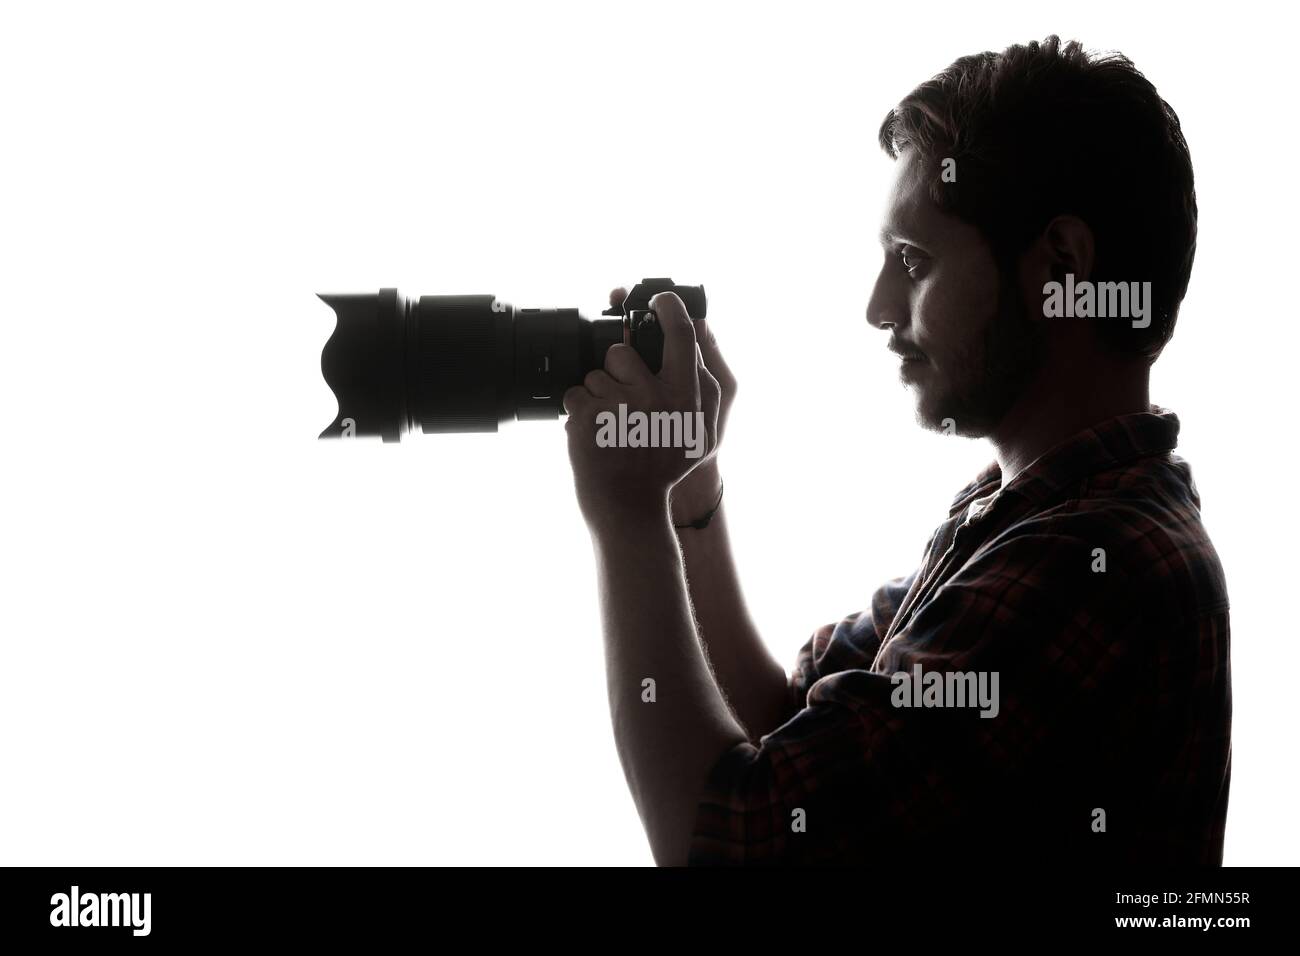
1051,683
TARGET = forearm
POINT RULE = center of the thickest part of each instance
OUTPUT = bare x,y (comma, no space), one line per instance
755,685
670,733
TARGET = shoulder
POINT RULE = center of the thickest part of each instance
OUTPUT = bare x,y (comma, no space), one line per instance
1141,527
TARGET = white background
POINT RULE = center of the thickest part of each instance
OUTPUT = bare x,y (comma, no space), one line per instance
226,643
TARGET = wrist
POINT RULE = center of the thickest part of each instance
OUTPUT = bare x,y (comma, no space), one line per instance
632,507
697,493
629,518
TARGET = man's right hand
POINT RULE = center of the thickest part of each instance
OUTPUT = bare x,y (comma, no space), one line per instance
698,491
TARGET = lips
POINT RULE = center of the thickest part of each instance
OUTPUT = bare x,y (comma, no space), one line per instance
905,351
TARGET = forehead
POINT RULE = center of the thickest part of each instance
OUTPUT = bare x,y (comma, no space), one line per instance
909,212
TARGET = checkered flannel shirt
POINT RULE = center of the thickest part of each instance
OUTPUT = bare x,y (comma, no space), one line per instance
1090,586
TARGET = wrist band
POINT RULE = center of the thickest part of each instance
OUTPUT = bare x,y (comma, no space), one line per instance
700,523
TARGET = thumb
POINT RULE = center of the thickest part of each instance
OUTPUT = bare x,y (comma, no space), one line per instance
679,338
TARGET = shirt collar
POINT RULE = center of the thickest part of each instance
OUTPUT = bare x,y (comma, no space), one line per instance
1107,445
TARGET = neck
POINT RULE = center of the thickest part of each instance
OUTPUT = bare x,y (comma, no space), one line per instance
1065,398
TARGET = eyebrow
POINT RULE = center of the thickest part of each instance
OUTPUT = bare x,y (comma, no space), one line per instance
888,238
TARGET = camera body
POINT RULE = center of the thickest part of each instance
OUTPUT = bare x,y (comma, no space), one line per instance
470,363
640,323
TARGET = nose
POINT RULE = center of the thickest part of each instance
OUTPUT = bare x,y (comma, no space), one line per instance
887,308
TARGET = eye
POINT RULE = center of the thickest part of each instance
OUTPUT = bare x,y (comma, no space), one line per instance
911,259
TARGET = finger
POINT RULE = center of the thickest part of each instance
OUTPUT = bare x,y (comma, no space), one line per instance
710,398
616,297
577,400
625,366
679,337
599,383
713,359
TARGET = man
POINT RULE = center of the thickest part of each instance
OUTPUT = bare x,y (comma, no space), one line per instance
1051,684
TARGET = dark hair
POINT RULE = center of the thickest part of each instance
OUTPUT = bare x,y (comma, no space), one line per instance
1046,129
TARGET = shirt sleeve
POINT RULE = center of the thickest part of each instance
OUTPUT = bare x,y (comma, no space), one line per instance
854,771
851,643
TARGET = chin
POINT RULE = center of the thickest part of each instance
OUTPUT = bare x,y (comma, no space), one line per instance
946,414
930,409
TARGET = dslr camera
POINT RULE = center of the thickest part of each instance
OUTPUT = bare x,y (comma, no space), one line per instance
468,363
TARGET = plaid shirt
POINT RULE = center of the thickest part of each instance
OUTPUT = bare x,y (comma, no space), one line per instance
1111,741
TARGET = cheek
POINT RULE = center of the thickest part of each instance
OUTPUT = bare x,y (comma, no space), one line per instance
949,314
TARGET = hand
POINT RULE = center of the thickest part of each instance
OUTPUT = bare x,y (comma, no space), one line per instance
698,491
617,483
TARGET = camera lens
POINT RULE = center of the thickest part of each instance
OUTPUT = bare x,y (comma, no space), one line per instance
468,363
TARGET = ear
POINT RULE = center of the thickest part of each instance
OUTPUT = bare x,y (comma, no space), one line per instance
1064,246
1067,245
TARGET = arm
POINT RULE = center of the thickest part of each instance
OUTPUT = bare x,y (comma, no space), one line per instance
755,685
668,743
670,733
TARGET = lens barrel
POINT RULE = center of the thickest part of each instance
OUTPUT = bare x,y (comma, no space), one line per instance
468,363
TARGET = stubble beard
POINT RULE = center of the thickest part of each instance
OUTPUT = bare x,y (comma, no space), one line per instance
992,372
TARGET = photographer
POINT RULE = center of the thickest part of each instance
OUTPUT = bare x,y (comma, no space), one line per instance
1074,571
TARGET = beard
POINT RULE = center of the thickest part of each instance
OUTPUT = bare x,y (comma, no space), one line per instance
992,372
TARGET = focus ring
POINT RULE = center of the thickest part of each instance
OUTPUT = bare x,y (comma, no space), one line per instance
455,379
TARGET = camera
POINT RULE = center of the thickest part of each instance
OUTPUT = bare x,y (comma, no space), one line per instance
469,363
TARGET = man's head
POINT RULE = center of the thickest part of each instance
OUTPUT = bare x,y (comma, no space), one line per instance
1013,170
